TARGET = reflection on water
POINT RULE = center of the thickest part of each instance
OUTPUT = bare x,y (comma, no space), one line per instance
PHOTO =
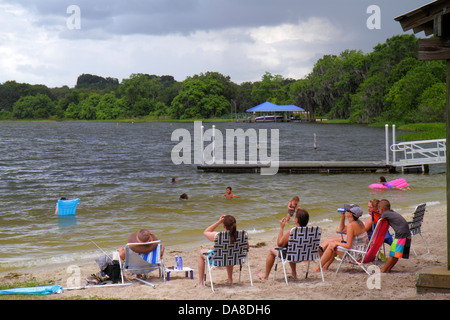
122,173
67,223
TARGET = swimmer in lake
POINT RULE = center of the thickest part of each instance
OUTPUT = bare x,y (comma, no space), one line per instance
184,196
229,195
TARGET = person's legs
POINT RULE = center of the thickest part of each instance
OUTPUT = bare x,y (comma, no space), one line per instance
230,274
327,257
201,267
269,264
293,269
390,263
399,249
121,253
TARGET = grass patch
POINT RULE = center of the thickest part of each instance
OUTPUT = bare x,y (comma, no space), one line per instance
339,121
423,131
418,131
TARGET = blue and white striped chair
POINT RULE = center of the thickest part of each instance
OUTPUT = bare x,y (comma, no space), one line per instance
140,263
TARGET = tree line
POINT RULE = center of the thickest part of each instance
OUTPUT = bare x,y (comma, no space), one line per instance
387,84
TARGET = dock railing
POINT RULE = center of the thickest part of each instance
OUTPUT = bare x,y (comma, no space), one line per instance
419,153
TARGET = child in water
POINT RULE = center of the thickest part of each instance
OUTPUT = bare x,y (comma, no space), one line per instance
229,194
386,184
292,207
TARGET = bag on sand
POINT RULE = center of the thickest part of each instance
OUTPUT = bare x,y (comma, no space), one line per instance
109,267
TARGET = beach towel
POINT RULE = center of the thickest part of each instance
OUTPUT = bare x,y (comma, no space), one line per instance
33,290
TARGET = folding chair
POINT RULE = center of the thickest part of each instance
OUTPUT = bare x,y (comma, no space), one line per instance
144,263
226,254
366,253
416,224
67,207
303,245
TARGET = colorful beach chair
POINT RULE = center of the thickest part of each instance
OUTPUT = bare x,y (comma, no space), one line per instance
366,254
142,264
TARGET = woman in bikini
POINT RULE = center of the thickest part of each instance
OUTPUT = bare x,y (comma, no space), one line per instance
356,235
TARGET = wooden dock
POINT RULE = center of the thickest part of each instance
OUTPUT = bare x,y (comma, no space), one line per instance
323,167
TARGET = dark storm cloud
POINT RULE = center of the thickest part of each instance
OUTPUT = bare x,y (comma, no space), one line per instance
161,17
240,38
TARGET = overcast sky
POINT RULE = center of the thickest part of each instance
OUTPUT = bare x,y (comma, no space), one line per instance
52,42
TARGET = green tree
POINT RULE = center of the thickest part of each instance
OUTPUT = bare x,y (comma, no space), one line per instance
109,107
12,91
367,102
89,81
142,92
72,111
432,104
39,106
88,107
200,97
268,89
402,99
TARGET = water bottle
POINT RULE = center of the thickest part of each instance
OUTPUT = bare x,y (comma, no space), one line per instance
176,263
180,263
341,210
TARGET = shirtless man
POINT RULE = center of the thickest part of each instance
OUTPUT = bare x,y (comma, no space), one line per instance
230,195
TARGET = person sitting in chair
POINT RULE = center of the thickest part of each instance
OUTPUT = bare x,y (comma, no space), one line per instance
355,235
141,236
107,265
301,220
229,224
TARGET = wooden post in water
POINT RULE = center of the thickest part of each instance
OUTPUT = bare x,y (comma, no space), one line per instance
315,141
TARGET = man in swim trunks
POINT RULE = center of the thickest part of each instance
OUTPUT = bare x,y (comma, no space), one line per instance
402,241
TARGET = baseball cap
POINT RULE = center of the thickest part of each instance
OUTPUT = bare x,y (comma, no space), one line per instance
354,209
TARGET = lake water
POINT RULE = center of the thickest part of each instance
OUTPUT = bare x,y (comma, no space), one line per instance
121,172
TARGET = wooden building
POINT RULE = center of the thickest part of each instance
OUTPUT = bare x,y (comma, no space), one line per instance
434,20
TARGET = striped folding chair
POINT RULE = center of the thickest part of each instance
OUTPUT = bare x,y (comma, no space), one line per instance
139,263
416,224
303,245
226,254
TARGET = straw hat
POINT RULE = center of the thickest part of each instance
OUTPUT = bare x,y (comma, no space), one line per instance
142,236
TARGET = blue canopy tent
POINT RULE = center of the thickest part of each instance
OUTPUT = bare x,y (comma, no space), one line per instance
269,107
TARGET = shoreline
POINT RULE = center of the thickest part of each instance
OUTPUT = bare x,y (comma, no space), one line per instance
349,283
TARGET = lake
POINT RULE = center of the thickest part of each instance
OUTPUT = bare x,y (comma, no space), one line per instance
121,173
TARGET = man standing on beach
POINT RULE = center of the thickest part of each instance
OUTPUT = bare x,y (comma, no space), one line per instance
402,241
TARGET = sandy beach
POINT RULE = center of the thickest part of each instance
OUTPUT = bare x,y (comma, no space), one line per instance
350,283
